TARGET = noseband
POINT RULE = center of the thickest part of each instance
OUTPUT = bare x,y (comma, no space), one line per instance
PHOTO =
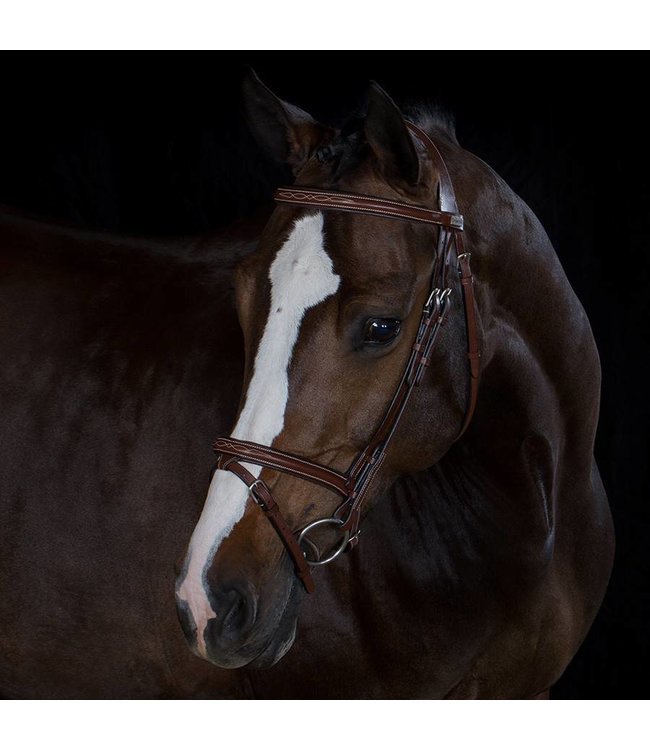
353,485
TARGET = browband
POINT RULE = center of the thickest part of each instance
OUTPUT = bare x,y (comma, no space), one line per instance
366,204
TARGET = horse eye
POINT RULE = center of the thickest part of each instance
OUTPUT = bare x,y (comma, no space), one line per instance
381,331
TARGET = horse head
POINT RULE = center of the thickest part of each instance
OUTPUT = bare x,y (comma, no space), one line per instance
330,306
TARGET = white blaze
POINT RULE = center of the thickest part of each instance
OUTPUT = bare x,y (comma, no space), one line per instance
301,276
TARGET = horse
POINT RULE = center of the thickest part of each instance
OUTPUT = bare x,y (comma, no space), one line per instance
470,554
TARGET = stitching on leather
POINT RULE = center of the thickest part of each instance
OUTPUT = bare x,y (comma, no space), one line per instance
360,498
310,477
325,196
290,470
386,214
256,452
288,195
410,213
314,194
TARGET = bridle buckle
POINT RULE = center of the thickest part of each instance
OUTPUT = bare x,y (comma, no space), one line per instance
439,296
253,495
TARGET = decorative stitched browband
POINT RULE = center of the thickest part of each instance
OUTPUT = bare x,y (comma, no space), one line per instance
353,485
367,205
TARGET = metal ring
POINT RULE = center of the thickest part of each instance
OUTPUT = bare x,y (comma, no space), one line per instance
322,522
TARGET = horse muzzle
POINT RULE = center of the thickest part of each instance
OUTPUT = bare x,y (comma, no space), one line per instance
245,628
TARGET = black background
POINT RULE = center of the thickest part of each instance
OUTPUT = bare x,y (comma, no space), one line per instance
156,145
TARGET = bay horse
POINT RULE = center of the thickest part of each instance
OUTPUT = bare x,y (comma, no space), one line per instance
483,557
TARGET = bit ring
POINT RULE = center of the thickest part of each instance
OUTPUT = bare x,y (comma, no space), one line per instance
304,541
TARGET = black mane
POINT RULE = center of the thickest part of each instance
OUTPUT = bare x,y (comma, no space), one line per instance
435,119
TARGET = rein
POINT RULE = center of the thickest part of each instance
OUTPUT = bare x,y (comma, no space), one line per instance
353,485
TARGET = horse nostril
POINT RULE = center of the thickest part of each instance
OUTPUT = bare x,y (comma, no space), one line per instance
236,612
235,616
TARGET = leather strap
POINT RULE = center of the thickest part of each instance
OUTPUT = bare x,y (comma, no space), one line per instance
471,326
446,194
260,455
366,204
263,497
447,198
354,484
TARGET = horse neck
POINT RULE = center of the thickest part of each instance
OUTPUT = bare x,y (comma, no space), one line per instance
540,367
530,442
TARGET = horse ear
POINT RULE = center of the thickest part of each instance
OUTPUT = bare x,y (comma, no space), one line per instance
288,134
389,138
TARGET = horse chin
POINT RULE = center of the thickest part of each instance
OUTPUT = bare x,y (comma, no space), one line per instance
246,658
284,634
273,652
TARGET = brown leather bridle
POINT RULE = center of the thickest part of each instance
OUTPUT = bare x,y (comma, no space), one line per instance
353,485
